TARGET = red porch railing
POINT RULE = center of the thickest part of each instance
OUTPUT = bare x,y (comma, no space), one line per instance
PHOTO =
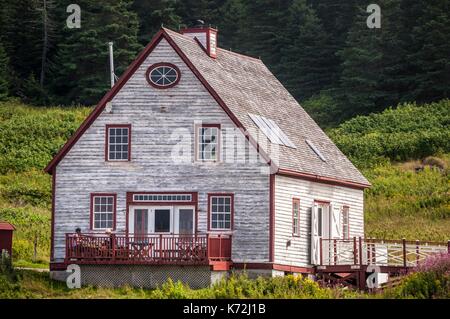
219,248
393,253
146,249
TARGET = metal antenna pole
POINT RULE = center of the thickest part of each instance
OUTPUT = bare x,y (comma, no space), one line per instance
111,63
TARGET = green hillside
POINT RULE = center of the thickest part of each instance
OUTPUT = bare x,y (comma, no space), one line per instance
409,197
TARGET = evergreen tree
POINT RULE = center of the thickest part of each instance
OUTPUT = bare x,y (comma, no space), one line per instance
430,56
304,65
336,18
153,14
82,72
362,68
205,10
4,73
22,39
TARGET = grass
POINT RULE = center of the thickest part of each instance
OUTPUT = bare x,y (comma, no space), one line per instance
31,284
433,282
30,137
403,203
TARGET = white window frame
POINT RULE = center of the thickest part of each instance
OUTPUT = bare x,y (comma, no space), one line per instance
346,222
197,136
211,213
109,144
296,221
94,212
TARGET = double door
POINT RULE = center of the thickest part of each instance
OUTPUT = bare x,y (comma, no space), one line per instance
179,220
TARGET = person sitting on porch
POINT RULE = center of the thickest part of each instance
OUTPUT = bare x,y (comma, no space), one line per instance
77,243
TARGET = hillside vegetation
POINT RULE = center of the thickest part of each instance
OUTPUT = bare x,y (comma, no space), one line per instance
29,138
408,199
404,152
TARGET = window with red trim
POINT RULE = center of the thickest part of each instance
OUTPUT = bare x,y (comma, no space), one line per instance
207,138
103,210
220,212
163,75
118,142
296,217
346,222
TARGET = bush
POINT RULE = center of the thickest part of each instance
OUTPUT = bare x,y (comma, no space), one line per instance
405,133
31,136
431,280
32,188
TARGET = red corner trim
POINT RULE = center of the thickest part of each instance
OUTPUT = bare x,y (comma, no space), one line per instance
52,230
272,218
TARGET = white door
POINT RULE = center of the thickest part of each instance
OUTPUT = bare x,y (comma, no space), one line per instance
184,220
315,237
320,228
336,225
151,220
163,220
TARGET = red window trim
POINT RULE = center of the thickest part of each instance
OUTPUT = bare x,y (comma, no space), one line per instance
296,200
323,202
219,144
108,126
348,217
156,65
114,195
232,211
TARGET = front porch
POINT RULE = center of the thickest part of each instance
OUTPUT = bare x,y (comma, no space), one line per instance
151,249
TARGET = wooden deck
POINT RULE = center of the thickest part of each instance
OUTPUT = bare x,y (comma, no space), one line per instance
147,249
346,261
383,253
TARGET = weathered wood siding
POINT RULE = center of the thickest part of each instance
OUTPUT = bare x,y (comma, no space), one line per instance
154,134
286,188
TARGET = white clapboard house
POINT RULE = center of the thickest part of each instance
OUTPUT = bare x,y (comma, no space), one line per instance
196,163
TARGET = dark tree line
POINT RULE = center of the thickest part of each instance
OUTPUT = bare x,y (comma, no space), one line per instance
321,50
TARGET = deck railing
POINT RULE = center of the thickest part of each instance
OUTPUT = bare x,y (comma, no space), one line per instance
361,251
137,248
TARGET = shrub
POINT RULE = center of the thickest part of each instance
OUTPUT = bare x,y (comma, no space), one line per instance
430,280
404,133
31,136
32,187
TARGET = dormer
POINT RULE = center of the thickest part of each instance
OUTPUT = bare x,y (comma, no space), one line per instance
206,36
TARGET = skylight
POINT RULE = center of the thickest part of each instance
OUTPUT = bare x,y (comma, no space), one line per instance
316,150
271,130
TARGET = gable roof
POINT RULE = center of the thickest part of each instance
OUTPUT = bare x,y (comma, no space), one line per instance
6,226
243,85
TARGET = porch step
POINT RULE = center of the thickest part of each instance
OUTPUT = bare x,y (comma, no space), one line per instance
220,265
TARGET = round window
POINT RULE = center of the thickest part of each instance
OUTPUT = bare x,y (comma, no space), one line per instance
163,75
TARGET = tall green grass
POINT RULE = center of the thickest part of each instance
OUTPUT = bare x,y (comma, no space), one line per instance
30,136
405,133
403,203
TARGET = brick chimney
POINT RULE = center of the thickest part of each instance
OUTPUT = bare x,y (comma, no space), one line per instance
207,36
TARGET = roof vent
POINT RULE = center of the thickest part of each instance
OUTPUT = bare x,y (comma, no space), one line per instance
206,35
316,150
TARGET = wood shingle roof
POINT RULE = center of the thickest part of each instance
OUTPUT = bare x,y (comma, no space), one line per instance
246,86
